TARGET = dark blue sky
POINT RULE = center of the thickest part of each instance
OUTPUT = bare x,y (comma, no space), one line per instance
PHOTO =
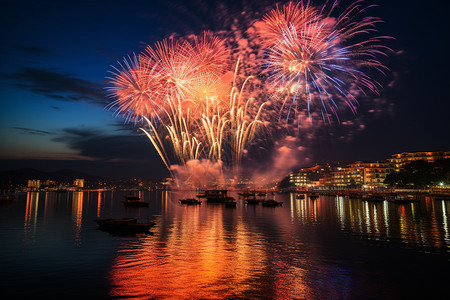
55,57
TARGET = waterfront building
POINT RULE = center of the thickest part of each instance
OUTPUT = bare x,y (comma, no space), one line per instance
34,184
400,159
370,174
339,177
313,176
78,183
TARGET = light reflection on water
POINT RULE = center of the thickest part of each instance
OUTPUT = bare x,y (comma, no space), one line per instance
320,248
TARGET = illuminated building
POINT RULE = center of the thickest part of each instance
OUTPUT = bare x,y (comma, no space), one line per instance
78,183
34,184
309,176
400,159
367,173
339,177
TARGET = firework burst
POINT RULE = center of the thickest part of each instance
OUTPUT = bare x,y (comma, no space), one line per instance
190,113
316,59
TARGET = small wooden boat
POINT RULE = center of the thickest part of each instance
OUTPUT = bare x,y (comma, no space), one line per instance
190,201
271,203
230,204
124,225
134,201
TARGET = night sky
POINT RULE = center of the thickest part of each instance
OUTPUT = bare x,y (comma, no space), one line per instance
55,58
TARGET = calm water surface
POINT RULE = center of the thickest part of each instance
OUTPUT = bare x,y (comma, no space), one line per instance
330,248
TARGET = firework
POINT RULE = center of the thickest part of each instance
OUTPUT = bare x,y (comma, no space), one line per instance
176,88
317,59
190,113
136,89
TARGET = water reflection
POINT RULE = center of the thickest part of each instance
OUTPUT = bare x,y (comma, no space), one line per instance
420,224
194,253
77,215
303,249
31,213
209,251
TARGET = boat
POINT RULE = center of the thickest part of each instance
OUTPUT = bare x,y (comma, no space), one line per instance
271,203
134,201
230,202
300,196
247,194
124,225
216,195
190,201
201,195
252,200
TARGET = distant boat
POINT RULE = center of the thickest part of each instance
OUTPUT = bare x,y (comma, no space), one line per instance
271,203
124,225
247,194
216,195
134,201
300,196
201,195
190,201
252,200
230,202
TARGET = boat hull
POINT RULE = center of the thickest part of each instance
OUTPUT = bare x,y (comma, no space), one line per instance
123,225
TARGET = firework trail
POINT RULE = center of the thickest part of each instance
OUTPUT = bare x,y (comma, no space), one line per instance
314,58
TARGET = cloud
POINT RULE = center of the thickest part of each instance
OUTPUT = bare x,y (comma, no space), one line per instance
58,85
32,131
96,145
32,50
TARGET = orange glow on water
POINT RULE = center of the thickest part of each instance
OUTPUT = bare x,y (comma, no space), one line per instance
190,257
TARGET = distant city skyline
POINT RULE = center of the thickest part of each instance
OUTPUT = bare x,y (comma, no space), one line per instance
56,57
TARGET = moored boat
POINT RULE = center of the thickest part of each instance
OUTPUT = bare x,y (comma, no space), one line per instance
230,202
271,203
247,194
216,195
190,201
124,225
